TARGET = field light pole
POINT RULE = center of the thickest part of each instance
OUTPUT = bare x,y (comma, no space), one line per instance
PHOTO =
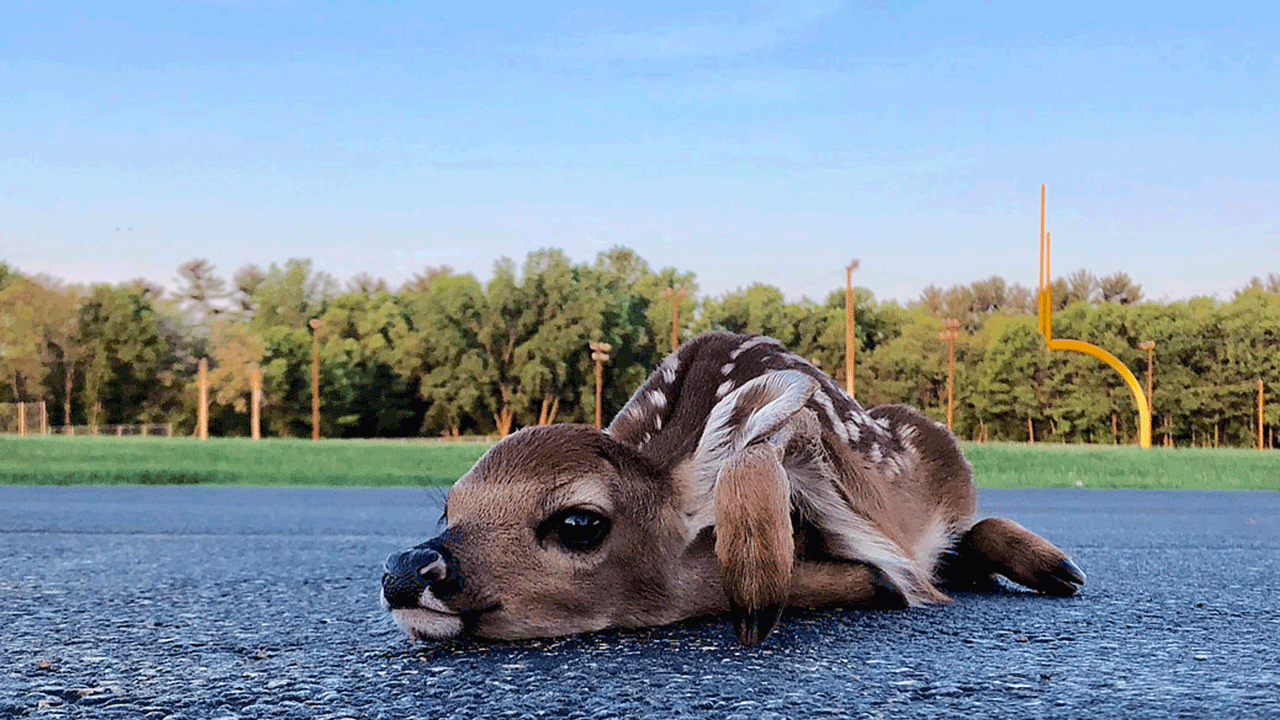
849,338
315,324
950,331
676,296
599,353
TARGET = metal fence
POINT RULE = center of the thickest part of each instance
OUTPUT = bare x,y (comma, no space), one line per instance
32,418
137,429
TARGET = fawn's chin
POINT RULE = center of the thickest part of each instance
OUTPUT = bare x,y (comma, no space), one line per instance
425,624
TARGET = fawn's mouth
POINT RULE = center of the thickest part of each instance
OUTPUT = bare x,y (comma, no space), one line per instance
426,623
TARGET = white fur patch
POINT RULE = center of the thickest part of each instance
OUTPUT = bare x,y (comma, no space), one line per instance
790,389
938,537
424,623
724,388
850,536
833,418
784,393
669,368
851,428
750,343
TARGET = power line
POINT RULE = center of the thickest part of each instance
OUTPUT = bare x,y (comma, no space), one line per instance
807,283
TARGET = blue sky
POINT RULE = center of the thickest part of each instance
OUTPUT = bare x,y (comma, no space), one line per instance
748,142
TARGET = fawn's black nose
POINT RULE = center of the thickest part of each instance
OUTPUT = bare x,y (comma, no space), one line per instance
425,567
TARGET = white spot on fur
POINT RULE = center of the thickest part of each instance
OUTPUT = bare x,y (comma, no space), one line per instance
669,368
726,368
784,394
787,390
750,343
724,388
851,428
657,398
833,419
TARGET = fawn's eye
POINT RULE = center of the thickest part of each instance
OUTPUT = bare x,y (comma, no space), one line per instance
576,529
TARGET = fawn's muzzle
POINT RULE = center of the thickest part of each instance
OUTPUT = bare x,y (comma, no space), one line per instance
425,567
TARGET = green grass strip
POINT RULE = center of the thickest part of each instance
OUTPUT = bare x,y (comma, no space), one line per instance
57,460
1105,466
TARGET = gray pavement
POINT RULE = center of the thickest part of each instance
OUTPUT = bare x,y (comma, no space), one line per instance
207,602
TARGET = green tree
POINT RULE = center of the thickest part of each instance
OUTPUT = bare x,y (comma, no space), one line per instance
288,296
119,331
201,292
910,368
534,333
441,349
363,393
1119,288
23,337
1084,392
233,347
627,290
61,310
1011,380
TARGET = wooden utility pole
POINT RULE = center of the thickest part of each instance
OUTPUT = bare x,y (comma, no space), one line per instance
1260,415
255,402
202,410
950,331
315,377
1149,346
599,353
850,339
676,296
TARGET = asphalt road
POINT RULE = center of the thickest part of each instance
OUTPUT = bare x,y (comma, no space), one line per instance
196,602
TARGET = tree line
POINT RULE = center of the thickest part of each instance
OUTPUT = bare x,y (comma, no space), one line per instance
447,355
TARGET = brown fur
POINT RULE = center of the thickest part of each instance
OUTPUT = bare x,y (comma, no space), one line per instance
754,542
739,478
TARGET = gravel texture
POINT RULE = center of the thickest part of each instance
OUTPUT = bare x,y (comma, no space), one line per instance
206,602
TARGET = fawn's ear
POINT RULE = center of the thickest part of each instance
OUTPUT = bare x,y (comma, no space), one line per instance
739,460
756,412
